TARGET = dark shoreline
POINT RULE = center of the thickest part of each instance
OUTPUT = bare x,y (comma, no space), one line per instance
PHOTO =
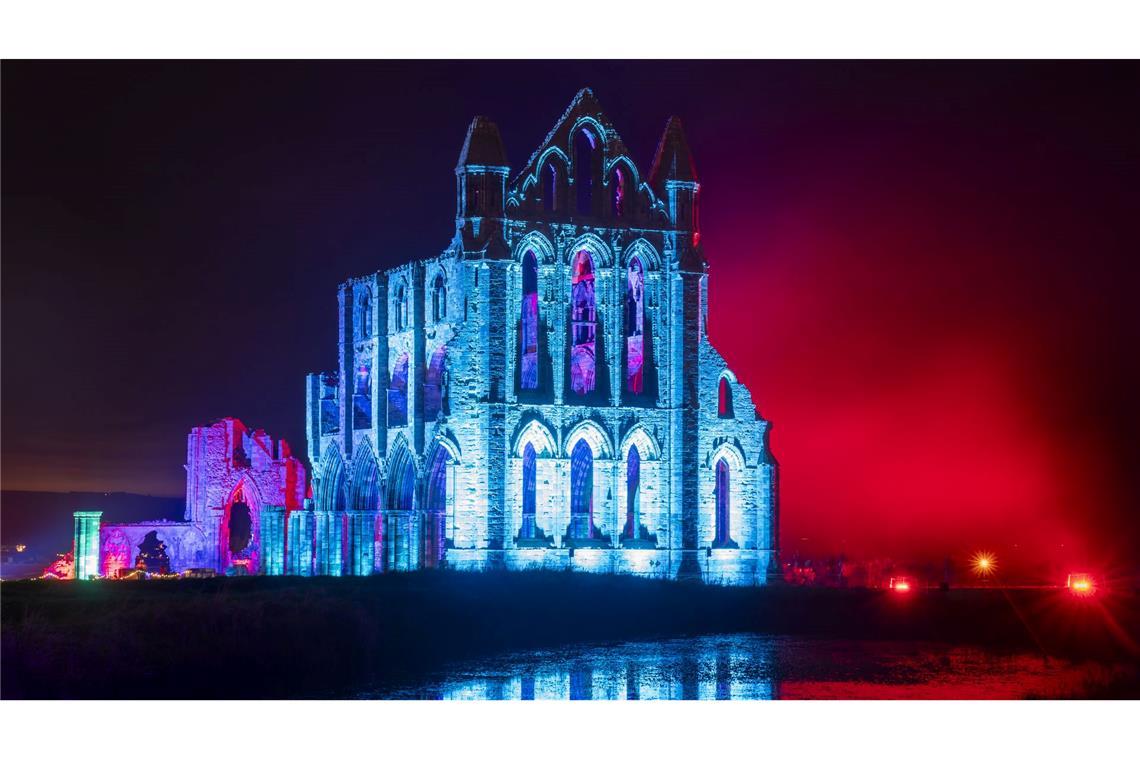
316,637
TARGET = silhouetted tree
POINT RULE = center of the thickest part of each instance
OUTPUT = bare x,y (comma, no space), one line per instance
152,555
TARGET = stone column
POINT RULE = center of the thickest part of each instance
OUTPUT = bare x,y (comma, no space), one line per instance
272,549
299,543
85,547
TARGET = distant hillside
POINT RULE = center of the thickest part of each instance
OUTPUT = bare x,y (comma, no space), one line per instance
43,520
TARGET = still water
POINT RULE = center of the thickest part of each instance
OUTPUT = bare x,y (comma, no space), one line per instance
751,666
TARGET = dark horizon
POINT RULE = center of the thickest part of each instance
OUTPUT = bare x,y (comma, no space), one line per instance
923,271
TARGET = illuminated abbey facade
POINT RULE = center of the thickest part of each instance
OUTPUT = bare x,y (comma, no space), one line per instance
543,394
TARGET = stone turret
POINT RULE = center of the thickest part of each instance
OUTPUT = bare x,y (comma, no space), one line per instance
674,179
480,188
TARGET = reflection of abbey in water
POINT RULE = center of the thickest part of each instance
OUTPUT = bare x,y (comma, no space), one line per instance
707,667
542,394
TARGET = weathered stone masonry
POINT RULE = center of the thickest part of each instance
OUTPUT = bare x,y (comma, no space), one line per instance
543,393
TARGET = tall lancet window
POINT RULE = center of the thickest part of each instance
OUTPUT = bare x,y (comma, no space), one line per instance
439,298
724,398
632,493
581,490
722,504
583,325
617,200
401,309
435,386
404,492
362,397
528,498
398,393
635,327
528,343
584,145
364,315
435,521
550,188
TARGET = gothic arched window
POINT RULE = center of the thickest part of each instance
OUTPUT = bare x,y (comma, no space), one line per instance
398,393
528,343
550,187
401,308
528,497
617,188
581,490
583,325
405,489
435,385
635,327
724,398
584,145
362,397
723,504
439,298
436,507
632,493
364,314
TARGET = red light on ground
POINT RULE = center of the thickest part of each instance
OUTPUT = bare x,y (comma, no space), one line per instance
1081,584
901,585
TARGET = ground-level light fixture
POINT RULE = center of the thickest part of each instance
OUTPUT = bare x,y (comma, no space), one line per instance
1081,584
900,584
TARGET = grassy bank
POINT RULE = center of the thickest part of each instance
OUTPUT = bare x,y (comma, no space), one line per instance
305,637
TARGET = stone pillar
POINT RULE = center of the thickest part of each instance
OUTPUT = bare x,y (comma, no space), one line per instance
85,547
299,543
329,543
688,395
361,541
272,548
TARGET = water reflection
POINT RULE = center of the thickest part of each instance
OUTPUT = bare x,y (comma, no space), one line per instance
757,667
734,667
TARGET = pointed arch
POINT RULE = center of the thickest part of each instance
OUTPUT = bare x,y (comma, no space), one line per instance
365,491
332,495
635,332
398,392
364,313
632,492
587,149
401,481
619,193
435,386
444,440
439,297
639,436
595,436
581,490
583,324
528,323
724,408
625,163
536,434
538,244
729,451
239,536
644,250
599,252
722,494
400,305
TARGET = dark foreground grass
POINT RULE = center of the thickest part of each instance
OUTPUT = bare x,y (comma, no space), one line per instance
314,637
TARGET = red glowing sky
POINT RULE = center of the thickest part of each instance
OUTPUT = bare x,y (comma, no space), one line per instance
922,271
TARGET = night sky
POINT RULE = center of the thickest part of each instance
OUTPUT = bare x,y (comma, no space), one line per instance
924,271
